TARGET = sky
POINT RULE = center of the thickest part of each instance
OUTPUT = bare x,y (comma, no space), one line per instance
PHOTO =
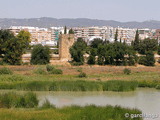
119,10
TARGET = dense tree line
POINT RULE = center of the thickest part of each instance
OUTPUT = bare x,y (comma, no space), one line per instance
116,53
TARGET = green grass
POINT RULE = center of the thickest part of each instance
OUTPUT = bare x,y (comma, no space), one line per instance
71,85
69,113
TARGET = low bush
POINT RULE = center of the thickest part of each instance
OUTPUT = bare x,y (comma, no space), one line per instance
56,71
77,63
127,71
158,86
47,104
82,75
40,71
79,70
14,78
49,67
5,70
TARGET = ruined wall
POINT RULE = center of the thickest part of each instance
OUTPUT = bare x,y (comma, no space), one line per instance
65,42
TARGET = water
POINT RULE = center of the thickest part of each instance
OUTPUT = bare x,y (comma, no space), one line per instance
146,100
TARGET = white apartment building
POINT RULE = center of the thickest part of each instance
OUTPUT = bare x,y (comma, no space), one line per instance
146,33
38,35
55,31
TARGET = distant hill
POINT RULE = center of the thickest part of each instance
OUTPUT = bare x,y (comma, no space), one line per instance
79,22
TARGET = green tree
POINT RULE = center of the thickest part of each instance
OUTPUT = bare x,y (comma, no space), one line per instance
13,47
101,54
5,37
136,42
65,30
78,50
158,49
148,45
40,55
116,36
92,57
148,59
96,42
71,31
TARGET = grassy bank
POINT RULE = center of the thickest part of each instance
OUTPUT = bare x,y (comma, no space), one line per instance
104,79
32,84
71,85
69,113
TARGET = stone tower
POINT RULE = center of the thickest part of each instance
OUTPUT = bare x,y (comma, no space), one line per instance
65,42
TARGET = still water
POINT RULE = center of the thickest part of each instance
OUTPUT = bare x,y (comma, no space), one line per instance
146,100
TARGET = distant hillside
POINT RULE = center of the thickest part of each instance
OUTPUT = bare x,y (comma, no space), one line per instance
79,22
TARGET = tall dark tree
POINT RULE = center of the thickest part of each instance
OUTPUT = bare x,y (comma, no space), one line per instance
136,42
158,49
65,30
116,36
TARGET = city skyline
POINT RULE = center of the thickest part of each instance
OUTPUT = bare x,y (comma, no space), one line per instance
124,10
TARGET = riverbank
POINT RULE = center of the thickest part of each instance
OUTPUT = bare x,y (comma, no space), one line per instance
25,107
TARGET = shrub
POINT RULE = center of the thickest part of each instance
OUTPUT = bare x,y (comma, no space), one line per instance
82,75
77,63
47,104
40,71
158,87
40,55
15,78
127,71
79,70
5,71
56,71
9,100
49,67
31,100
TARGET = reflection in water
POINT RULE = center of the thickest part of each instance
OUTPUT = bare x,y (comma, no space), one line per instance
146,100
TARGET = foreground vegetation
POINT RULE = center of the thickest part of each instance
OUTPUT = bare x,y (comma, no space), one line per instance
69,113
13,100
21,110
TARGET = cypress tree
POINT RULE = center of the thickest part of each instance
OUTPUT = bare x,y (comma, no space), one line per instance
136,41
158,50
116,36
65,30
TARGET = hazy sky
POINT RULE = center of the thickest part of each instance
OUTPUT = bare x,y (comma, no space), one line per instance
120,10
